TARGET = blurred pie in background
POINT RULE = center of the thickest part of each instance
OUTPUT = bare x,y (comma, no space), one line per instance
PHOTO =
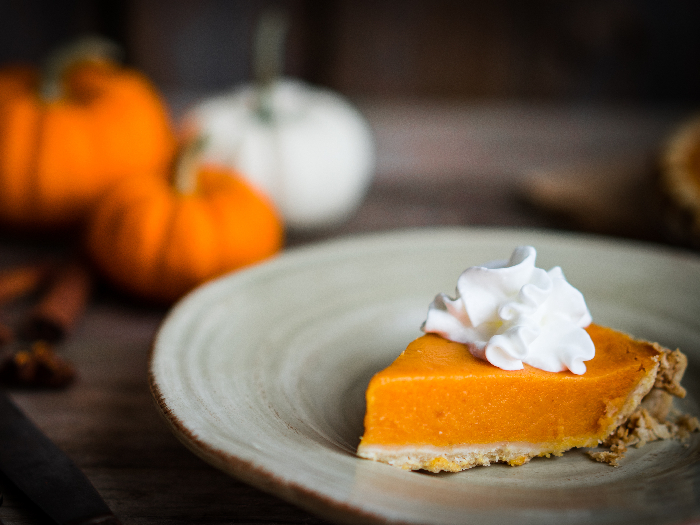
680,184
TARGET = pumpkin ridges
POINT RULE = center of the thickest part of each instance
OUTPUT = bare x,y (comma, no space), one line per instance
166,288
104,230
143,230
191,244
19,152
115,235
243,241
64,175
151,142
228,248
159,244
32,188
47,175
155,233
133,223
104,110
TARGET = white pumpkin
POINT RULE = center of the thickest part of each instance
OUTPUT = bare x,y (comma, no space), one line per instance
308,148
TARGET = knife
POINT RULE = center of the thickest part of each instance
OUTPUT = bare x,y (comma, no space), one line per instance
48,477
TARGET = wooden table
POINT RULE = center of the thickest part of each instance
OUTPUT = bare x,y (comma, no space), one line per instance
438,164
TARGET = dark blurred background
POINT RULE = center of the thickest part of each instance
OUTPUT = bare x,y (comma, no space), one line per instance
645,51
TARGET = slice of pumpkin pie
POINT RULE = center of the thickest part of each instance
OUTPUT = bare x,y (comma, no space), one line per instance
520,374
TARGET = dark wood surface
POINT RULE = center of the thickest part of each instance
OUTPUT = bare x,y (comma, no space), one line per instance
437,165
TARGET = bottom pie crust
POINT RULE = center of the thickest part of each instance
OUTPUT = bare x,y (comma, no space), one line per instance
461,457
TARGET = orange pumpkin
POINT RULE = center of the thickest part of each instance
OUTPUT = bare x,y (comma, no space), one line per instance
158,240
66,136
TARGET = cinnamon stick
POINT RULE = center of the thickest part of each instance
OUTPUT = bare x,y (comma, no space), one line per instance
61,306
18,281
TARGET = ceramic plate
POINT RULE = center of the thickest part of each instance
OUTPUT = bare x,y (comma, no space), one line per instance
262,373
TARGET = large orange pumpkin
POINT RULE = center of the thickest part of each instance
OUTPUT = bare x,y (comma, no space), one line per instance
159,240
65,137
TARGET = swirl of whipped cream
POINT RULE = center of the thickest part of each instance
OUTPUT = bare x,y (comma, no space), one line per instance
511,312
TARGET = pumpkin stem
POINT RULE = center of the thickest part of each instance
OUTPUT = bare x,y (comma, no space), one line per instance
185,176
268,57
57,63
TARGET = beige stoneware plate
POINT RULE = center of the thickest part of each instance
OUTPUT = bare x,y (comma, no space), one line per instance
262,374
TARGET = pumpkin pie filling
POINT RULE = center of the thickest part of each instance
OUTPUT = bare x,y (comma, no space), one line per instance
439,407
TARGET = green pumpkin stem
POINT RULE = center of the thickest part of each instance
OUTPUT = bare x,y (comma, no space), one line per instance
58,62
185,174
268,57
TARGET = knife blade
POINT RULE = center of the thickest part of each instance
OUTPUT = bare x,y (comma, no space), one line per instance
45,474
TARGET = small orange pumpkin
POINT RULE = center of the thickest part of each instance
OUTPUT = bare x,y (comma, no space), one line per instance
159,240
66,135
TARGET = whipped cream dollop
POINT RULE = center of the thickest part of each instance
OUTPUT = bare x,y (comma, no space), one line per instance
511,312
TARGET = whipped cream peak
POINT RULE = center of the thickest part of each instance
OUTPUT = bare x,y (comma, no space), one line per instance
510,312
